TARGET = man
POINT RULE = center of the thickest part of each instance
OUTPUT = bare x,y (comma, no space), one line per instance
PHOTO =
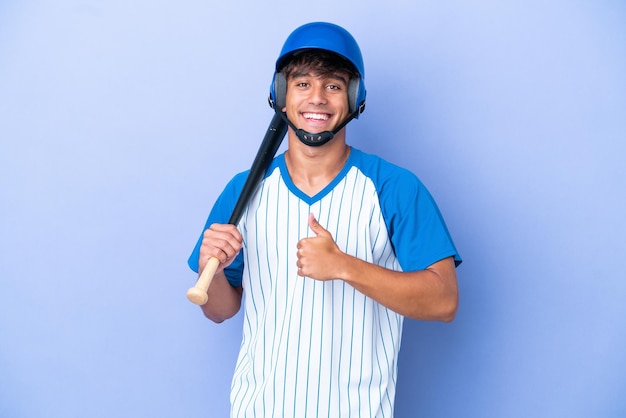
333,251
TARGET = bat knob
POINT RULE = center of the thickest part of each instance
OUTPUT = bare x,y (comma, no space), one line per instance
197,296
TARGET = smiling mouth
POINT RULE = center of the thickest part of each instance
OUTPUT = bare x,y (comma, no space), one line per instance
316,116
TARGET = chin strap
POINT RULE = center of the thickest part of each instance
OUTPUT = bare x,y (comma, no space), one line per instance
317,139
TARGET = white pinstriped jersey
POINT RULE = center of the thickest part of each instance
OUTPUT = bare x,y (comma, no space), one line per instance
320,348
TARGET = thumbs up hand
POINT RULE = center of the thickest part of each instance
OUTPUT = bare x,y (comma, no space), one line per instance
319,257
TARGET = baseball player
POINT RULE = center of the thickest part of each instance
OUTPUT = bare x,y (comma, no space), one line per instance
334,249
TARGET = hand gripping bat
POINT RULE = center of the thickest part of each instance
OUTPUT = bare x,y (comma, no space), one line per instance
272,140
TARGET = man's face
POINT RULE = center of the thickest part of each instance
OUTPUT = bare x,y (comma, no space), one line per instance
317,103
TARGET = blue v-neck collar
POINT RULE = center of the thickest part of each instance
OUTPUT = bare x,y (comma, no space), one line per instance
329,187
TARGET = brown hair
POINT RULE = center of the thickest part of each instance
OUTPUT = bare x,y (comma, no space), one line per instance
319,62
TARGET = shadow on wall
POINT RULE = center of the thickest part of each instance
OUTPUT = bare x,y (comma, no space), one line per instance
440,364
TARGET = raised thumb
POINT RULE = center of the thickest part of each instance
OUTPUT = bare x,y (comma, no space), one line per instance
316,227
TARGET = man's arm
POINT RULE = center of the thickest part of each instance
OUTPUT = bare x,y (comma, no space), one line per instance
430,294
224,242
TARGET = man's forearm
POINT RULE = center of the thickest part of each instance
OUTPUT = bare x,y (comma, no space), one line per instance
430,294
224,300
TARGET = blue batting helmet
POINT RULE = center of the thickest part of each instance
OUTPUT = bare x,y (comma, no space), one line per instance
328,37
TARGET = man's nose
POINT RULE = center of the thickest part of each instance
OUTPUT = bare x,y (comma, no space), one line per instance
317,95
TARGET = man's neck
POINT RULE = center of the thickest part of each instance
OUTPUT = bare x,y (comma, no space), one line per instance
313,168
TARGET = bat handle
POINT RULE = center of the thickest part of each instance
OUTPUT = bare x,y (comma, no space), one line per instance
198,293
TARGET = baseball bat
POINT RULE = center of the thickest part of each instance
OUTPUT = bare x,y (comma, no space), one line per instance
272,140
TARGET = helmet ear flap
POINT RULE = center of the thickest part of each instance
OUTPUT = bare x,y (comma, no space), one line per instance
353,91
356,96
279,91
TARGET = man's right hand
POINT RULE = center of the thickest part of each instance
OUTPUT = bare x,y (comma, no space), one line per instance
222,241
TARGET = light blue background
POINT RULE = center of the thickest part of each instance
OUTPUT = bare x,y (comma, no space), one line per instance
121,121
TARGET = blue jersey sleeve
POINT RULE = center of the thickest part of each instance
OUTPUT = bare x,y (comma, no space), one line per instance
220,214
416,227
418,231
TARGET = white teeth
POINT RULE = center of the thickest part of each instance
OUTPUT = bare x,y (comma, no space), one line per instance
316,116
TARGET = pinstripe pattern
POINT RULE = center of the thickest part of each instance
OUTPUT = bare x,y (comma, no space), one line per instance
311,348
322,349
